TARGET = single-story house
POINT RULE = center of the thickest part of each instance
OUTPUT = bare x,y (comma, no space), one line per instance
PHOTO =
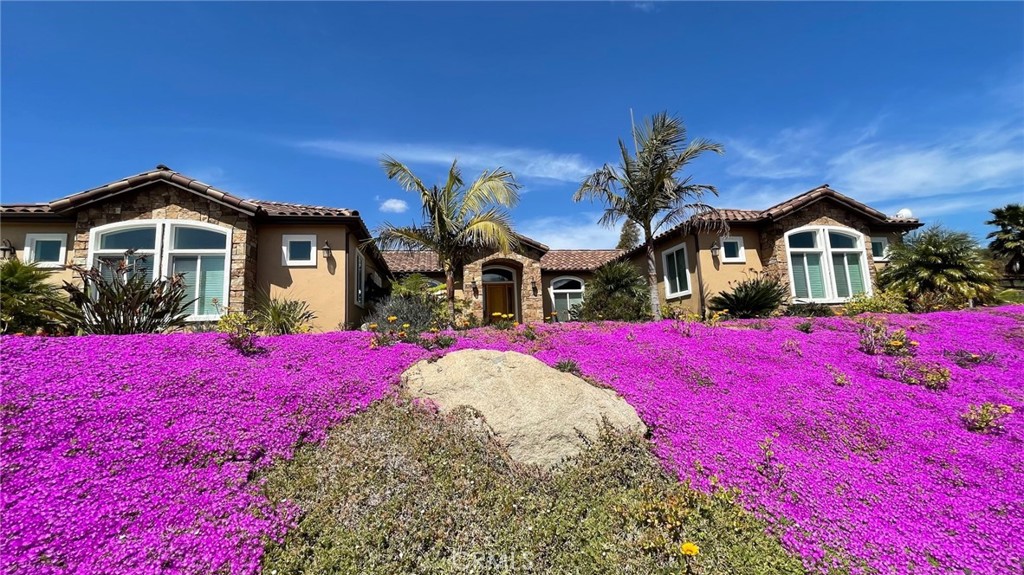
827,246
229,249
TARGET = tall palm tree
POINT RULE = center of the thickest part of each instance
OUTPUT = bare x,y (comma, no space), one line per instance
458,221
647,189
1008,240
941,264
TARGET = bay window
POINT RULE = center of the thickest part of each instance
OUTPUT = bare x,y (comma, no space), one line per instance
826,264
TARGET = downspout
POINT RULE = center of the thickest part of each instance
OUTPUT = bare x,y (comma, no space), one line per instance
700,276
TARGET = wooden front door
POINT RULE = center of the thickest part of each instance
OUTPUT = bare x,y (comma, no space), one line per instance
498,298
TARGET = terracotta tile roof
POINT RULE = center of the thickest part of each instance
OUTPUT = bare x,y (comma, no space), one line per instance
407,261
577,260
289,209
25,209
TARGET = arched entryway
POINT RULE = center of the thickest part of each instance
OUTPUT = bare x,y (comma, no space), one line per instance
501,294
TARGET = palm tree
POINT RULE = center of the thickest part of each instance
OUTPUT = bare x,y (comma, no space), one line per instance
938,264
646,188
1008,240
457,221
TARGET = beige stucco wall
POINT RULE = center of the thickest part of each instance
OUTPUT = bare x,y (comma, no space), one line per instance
16,232
323,287
356,312
688,303
719,276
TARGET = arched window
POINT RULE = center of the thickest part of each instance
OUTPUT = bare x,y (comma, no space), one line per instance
566,292
827,264
492,275
199,251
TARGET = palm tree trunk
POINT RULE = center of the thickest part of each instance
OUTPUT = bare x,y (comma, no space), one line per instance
449,284
652,276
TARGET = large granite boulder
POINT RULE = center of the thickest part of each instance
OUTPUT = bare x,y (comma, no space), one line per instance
536,411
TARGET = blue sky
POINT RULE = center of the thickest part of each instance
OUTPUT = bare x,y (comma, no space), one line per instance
901,105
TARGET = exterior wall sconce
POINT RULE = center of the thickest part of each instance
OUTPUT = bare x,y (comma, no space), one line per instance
326,250
476,291
6,250
533,286
715,248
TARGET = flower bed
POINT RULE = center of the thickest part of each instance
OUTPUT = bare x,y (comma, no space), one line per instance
134,454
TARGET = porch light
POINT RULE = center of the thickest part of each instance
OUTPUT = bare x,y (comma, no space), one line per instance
533,286
6,250
326,250
715,248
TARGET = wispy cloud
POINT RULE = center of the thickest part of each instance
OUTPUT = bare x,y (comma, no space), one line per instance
578,231
394,206
523,162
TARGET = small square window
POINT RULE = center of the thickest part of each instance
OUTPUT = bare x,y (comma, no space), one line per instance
46,250
732,250
880,248
298,250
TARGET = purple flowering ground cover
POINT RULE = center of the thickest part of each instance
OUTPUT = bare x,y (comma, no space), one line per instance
135,454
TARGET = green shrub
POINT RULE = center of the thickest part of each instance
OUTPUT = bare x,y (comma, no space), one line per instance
241,331
568,366
28,302
282,316
875,338
120,299
755,296
880,302
400,488
966,359
805,326
912,372
617,292
809,310
986,418
422,312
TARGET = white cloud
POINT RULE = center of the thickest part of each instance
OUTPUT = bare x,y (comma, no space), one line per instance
579,231
523,162
394,206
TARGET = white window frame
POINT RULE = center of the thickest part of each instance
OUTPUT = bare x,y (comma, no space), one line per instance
885,248
741,257
552,291
287,239
30,249
827,269
163,250
360,283
686,269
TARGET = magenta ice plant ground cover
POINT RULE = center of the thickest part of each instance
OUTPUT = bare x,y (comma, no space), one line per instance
137,452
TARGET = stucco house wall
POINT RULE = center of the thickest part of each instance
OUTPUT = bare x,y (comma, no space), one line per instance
17,233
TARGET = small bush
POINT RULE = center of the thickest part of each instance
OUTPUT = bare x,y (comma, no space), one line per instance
880,302
241,331
809,310
912,372
876,339
421,312
617,292
282,316
756,296
986,418
839,378
120,299
28,302
805,326
568,366
966,359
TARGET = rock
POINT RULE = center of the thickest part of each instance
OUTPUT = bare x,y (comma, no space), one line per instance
536,411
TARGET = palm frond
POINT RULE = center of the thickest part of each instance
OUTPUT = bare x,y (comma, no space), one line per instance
391,237
495,187
491,228
396,170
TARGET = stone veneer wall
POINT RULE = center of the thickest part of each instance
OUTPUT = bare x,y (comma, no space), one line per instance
822,213
165,201
531,306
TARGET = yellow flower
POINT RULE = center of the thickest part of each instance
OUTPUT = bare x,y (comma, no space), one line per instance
515,324
373,326
914,343
896,343
392,318
405,326
689,548
496,314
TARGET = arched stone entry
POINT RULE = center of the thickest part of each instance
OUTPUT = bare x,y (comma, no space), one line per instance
500,292
526,293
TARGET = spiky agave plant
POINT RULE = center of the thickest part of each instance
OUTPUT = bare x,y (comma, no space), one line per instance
755,296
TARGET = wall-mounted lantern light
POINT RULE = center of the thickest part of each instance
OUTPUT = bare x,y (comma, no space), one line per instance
326,250
715,248
6,250
476,292
533,286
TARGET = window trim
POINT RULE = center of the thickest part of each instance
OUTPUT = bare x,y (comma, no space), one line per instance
825,249
287,239
552,291
360,276
686,268
163,250
885,248
30,248
739,259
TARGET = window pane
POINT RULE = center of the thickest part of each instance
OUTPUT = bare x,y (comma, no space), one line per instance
300,251
803,240
47,251
679,280
839,267
671,273
815,275
138,238
838,240
853,263
567,284
496,275
109,264
186,238
731,249
188,267
796,262
211,285
878,248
